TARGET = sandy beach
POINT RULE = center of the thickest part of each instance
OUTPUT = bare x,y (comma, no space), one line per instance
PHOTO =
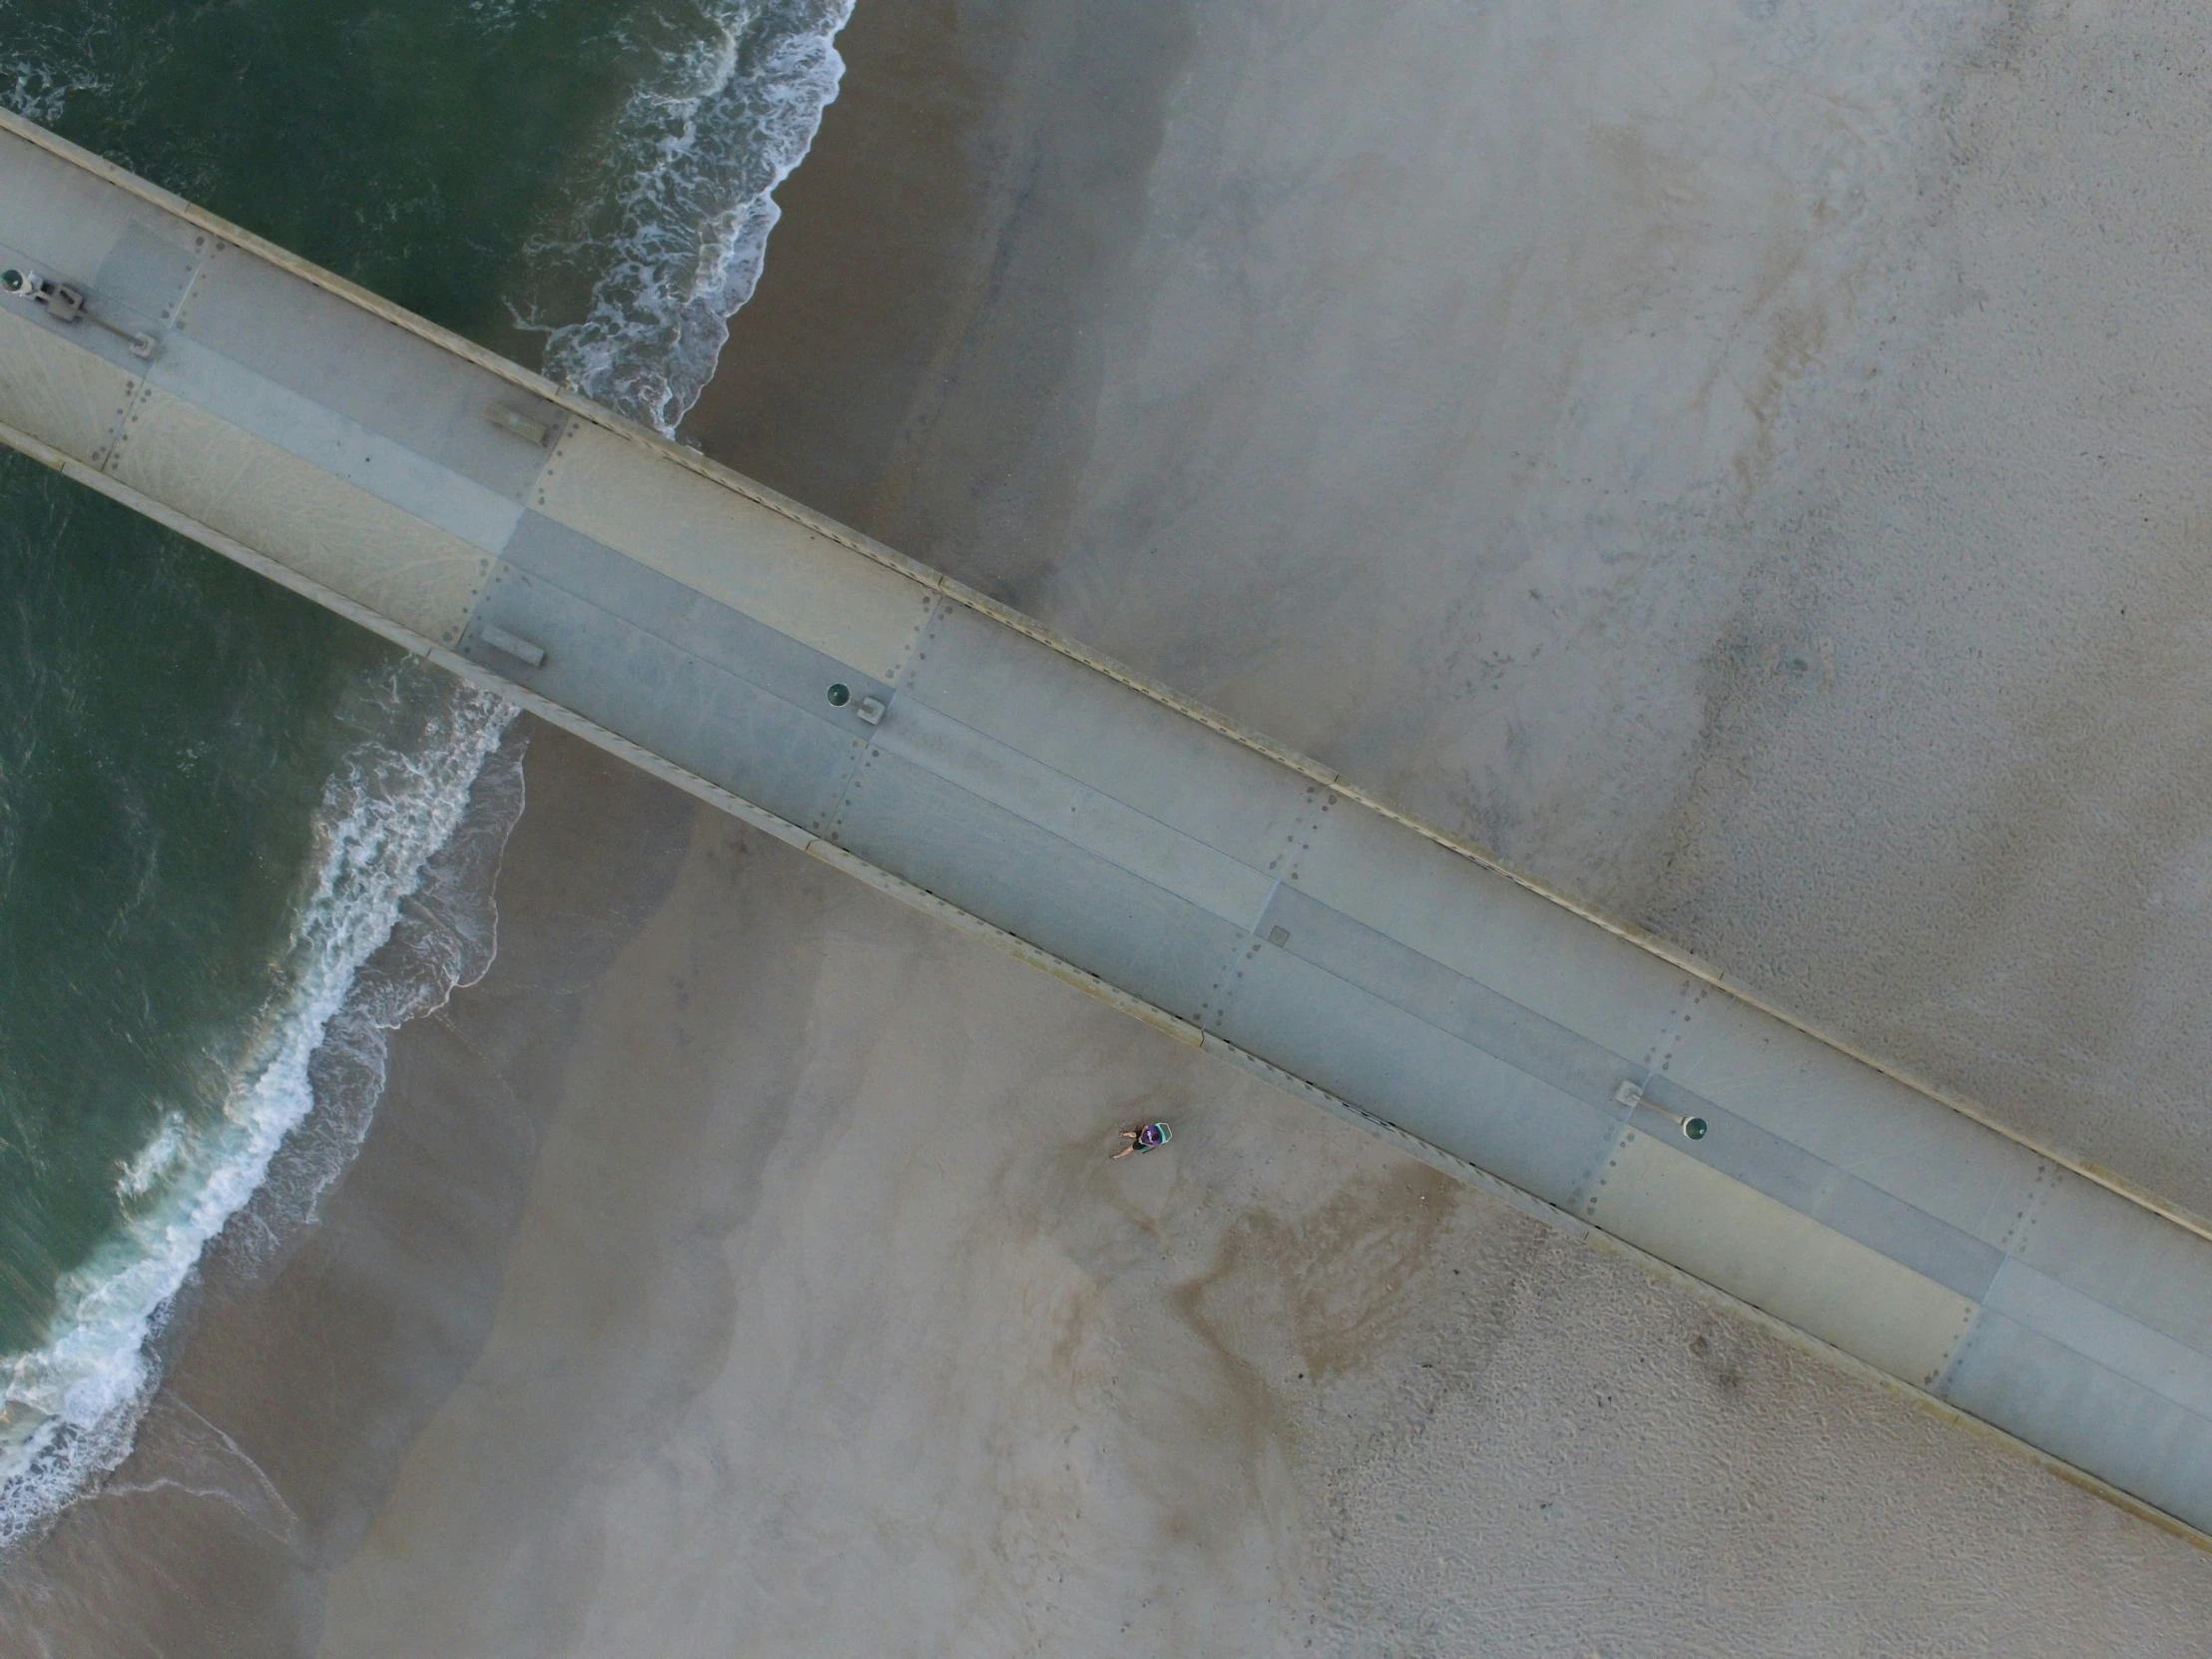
305,1374
829,1329
1585,428
1736,465
1283,353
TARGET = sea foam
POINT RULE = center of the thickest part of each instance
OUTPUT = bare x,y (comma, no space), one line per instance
668,236
674,223
68,1408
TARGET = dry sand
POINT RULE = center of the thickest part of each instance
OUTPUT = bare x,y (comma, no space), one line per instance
1739,462
829,1330
1699,450
1449,391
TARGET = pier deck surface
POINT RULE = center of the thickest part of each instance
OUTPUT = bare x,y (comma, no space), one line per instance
882,717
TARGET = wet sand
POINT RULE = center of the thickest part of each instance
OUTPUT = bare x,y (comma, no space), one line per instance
829,1328
1738,464
739,1269
306,1376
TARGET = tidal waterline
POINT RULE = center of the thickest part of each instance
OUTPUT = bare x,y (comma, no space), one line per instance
217,800
165,727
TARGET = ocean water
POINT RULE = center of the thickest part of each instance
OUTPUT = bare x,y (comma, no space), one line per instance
239,840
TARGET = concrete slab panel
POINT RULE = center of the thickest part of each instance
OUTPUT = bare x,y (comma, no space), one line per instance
57,391
148,270
2089,1239
63,218
690,711
1588,1072
368,369
1863,1122
1085,817
691,622
1486,926
1837,1199
1780,1261
994,864
296,513
2171,1370
1397,974
1428,1082
746,556
335,444
2090,1415
1929,1246
1010,686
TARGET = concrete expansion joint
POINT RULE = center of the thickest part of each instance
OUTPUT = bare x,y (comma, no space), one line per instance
134,412
1965,1342
1214,1006
1660,1056
2025,1216
907,656
927,631
209,250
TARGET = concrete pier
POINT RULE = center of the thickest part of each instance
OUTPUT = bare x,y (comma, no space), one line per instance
947,751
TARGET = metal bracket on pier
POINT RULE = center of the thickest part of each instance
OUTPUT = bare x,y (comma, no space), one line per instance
517,424
1631,1094
513,645
65,303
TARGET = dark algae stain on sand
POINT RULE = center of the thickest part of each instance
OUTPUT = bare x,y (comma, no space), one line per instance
215,800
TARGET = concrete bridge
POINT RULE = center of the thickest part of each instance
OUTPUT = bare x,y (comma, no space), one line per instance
959,756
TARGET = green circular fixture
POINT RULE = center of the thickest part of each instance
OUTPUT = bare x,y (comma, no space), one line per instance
1695,1128
12,279
839,695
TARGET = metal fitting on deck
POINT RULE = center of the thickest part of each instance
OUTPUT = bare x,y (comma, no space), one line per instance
1631,1094
65,303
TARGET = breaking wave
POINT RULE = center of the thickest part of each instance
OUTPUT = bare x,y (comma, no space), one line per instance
675,232
406,829
661,243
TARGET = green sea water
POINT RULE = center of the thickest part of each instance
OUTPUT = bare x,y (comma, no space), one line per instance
214,799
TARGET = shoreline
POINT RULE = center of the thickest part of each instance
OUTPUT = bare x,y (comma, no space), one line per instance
739,1261
298,1384
920,341
887,1345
